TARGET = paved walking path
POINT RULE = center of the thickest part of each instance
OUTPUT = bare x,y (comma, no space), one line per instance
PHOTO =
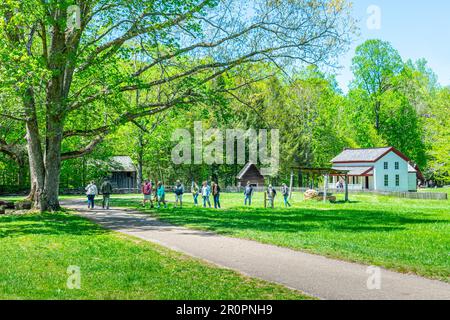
315,275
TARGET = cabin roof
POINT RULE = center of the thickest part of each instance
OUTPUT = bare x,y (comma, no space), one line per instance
247,167
366,155
122,164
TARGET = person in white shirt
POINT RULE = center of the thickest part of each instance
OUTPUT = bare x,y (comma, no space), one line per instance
206,192
91,192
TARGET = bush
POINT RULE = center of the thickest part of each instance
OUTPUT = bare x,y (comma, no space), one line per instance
13,190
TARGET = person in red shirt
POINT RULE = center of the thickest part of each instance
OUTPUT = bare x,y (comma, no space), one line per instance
147,191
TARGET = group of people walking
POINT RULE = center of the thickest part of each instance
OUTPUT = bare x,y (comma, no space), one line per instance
157,195
106,189
271,195
205,191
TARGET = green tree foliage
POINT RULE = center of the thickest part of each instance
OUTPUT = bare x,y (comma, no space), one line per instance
137,71
388,100
375,63
437,123
62,71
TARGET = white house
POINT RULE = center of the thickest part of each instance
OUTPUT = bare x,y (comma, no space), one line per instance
380,169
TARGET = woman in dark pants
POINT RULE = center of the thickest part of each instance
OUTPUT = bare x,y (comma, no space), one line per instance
216,195
91,192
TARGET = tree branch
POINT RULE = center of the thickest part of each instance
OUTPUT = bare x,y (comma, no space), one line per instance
85,151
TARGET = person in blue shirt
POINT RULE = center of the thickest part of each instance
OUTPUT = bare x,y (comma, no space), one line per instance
248,193
285,192
206,192
179,191
161,195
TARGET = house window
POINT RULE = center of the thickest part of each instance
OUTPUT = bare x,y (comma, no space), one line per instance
386,166
397,166
386,180
397,180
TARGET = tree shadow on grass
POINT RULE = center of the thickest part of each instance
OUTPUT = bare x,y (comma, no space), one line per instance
47,224
293,221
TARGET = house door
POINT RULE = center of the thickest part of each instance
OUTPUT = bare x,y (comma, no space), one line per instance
367,183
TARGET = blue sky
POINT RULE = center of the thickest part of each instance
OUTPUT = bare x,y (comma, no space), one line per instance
416,28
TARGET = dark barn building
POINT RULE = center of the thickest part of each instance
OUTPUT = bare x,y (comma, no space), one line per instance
123,173
250,173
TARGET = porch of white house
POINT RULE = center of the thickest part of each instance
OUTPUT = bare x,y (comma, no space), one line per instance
355,183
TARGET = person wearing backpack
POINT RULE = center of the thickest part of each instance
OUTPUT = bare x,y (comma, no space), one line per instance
285,193
195,192
271,194
248,193
91,192
147,190
216,194
161,195
106,190
179,191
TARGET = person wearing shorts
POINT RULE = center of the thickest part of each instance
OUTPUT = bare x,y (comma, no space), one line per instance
179,191
147,190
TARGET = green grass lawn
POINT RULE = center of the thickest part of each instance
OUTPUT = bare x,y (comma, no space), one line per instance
401,234
36,251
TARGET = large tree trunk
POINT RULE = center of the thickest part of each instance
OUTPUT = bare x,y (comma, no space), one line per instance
56,93
49,198
44,167
34,148
37,169
45,175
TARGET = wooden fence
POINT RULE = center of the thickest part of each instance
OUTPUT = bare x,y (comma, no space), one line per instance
406,195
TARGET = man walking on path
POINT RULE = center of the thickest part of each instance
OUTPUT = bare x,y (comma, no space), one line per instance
248,193
106,190
285,193
91,192
147,190
179,191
